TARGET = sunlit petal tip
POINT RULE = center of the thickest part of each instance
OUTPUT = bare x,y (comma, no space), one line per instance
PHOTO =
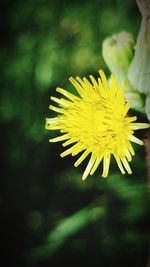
71,78
66,152
62,155
76,164
88,168
92,79
101,72
58,89
135,140
104,176
137,126
126,165
68,142
63,145
129,171
55,139
84,177
47,120
78,78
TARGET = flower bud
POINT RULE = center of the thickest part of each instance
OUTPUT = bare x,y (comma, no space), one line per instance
117,51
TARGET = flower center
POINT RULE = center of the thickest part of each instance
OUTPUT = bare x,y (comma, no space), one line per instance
94,124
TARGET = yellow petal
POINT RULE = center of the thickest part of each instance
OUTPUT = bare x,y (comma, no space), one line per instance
97,162
88,168
126,165
67,94
61,101
119,164
134,139
59,138
82,157
77,86
106,163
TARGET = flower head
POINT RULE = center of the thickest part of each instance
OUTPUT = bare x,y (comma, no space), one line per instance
95,123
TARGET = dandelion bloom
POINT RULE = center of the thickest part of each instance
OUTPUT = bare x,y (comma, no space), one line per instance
95,123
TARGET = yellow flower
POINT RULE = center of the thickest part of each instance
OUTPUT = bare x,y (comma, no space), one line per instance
95,123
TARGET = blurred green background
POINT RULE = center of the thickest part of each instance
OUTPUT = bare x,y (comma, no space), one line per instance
48,215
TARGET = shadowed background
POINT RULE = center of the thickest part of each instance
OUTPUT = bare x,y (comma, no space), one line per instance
48,215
